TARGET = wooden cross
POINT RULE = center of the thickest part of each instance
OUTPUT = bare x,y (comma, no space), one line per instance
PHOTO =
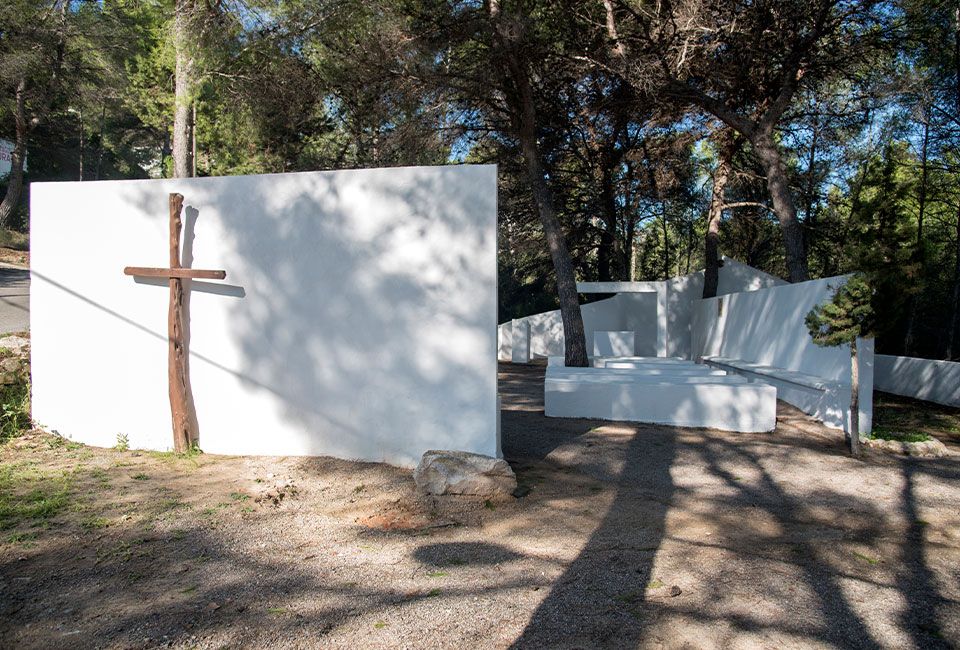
184,415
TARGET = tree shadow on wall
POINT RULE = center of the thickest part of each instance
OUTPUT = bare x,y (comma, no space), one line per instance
330,293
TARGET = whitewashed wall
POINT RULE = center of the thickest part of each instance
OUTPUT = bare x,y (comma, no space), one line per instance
767,327
639,312
636,312
685,292
934,381
358,317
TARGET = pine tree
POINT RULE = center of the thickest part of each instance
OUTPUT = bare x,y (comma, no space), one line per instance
847,316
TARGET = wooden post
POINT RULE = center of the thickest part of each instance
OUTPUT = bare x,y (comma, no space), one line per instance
854,400
185,432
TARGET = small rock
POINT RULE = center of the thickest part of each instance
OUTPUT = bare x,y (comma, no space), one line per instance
14,343
521,491
462,472
675,591
10,364
213,606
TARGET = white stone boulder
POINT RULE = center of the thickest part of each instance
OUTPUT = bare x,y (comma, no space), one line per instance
462,472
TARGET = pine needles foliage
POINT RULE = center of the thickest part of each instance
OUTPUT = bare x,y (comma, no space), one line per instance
849,314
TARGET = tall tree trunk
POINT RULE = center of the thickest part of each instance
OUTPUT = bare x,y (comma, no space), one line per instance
575,346
604,249
909,344
80,147
666,244
783,206
630,245
17,156
811,190
711,244
184,86
524,119
608,204
854,400
103,119
952,343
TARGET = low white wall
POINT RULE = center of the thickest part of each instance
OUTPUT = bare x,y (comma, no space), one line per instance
926,379
358,317
767,327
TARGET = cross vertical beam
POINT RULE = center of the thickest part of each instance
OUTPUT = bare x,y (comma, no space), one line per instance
186,430
182,410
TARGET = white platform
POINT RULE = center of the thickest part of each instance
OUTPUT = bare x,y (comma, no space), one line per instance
661,391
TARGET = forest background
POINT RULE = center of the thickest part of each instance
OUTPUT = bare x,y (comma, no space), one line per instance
637,140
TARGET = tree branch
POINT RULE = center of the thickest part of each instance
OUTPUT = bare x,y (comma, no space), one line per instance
746,204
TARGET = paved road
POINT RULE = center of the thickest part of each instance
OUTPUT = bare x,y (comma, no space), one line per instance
14,299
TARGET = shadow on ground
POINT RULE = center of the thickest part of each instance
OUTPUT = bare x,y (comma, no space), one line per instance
763,546
631,536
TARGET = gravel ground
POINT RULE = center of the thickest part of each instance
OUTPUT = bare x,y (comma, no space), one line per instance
631,536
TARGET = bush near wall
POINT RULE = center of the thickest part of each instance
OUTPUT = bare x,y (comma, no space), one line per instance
14,386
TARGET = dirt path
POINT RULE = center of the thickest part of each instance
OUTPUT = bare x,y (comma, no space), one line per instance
631,536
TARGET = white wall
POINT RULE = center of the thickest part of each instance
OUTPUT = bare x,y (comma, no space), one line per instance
934,381
629,311
767,327
661,317
685,292
358,317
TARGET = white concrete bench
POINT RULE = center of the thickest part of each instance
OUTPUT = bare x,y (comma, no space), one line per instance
825,399
649,371
704,399
624,362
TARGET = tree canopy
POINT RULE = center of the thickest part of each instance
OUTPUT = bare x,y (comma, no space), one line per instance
635,139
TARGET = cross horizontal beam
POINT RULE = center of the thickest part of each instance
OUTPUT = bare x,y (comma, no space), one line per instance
148,272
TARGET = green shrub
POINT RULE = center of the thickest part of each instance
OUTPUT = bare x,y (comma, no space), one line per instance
18,241
899,436
14,410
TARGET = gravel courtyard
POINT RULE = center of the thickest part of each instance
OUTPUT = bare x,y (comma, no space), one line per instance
630,536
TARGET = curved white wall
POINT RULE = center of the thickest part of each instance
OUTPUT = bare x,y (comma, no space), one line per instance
766,327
